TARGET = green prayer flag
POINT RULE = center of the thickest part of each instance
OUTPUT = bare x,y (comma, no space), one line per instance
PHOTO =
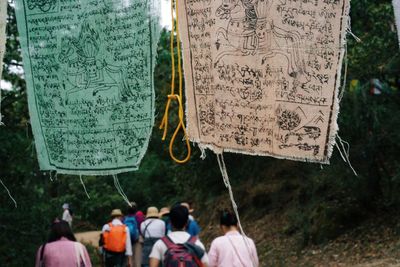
89,72
3,23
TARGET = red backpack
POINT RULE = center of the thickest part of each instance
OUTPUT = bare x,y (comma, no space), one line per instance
180,255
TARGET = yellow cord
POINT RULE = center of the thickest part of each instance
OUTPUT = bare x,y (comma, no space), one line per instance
173,96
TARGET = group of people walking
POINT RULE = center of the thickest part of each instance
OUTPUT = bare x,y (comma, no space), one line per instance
169,237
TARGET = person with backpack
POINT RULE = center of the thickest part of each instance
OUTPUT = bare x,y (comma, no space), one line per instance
232,249
61,248
131,222
178,248
152,229
116,239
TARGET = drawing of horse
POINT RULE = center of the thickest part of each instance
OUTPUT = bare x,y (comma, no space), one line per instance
240,32
250,31
83,70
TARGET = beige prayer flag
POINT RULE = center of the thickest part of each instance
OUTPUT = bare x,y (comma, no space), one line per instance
262,76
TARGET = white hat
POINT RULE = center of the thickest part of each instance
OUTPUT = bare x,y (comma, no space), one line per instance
65,206
152,212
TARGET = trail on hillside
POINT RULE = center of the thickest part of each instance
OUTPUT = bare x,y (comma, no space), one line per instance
89,238
376,243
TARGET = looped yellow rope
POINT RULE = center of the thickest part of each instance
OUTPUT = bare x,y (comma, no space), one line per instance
173,96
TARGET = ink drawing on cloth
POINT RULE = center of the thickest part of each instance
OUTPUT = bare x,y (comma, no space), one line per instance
89,71
262,76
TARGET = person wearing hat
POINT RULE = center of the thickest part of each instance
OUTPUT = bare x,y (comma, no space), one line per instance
192,227
67,214
179,216
151,229
117,247
164,215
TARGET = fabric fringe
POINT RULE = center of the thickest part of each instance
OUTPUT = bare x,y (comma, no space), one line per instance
95,173
335,111
203,152
84,187
9,194
345,152
225,176
121,191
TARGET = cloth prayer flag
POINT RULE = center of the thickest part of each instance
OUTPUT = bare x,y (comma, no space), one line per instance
89,71
262,76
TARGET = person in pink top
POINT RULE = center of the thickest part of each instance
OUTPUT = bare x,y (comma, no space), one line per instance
62,249
232,249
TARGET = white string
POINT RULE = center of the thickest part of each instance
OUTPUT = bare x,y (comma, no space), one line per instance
120,190
358,40
203,152
9,194
84,187
225,176
346,153
346,64
341,154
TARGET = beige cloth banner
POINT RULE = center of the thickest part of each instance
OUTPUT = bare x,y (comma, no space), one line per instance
3,23
262,76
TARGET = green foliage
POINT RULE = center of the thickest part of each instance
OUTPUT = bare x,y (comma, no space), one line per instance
320,204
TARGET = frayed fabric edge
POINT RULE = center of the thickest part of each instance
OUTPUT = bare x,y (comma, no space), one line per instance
346,28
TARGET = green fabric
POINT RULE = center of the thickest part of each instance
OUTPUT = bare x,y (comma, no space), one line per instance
3,23
89,72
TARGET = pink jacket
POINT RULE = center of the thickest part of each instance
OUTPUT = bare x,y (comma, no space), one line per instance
233,250
61,253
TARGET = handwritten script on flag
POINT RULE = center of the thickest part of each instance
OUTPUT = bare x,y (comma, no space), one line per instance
89,71
262,76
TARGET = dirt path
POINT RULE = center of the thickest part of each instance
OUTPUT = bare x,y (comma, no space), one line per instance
90,238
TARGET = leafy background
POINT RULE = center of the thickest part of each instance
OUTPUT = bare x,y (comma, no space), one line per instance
291,209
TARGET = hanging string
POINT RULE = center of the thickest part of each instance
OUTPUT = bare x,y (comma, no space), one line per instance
120,190
9,194
84,187
358,40
225,176
348,30
172,95
345,152
346,64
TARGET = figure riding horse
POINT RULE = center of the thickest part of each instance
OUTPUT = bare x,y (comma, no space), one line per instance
249,31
